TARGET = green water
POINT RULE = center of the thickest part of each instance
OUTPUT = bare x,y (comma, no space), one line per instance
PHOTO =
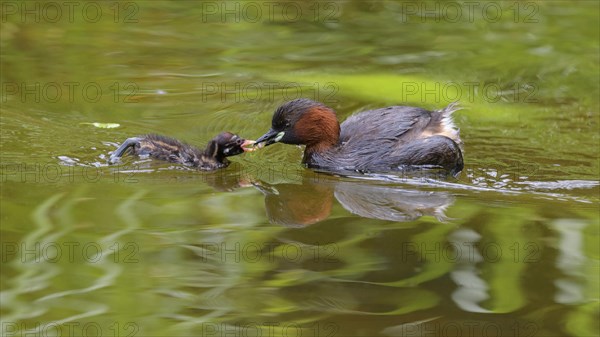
266,247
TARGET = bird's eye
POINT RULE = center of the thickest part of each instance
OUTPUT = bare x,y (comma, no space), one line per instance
287,124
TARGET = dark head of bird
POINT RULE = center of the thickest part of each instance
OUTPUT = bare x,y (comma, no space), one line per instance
303,122
226,144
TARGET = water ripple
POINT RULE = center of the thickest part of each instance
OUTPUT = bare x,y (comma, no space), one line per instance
36,272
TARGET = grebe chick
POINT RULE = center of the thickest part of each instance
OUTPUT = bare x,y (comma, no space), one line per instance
172,150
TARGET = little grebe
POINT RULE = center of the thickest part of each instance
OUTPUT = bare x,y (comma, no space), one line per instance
380,140
165,148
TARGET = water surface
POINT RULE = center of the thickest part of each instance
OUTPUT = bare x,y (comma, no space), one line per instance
267,247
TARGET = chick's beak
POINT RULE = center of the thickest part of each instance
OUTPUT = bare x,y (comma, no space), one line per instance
248,146
269,138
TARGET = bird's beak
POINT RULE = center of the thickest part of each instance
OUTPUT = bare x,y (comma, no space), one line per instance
269,138
248,146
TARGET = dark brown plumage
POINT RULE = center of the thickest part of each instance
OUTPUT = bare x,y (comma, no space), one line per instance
381,140
172,150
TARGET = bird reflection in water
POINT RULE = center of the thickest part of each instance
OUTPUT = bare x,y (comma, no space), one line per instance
311,199
296,205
